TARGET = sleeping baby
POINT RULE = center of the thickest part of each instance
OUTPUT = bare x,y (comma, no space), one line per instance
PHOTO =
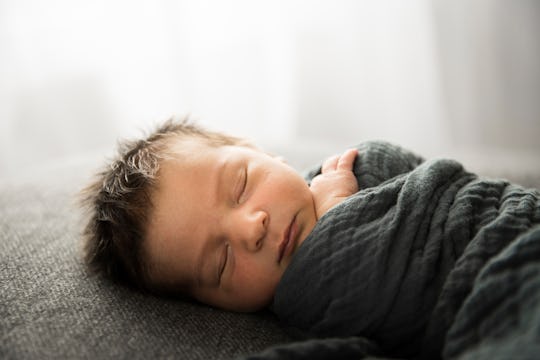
378,248
200,213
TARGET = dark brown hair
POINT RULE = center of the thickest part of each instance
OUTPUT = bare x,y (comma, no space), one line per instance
119,200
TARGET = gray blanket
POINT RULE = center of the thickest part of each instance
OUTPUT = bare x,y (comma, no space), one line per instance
425,261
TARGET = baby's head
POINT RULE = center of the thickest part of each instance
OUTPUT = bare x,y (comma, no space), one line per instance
198,213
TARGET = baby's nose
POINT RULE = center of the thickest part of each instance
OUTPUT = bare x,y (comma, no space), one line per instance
253,230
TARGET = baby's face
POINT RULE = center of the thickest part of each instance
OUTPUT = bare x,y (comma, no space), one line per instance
226,224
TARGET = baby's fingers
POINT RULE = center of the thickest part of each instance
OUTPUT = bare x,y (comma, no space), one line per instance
346,160
330,164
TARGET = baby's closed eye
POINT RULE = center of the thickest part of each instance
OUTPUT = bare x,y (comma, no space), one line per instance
241,185
223,261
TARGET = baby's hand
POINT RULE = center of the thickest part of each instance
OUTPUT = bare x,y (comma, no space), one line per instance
335,183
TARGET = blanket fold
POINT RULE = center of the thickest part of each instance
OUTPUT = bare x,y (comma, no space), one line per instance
395,262
321,349
500,319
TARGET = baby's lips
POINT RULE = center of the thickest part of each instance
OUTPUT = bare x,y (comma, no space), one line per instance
288,240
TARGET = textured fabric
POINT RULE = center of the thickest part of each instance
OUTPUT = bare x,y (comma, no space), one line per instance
51,308
395,262
321,349
500,319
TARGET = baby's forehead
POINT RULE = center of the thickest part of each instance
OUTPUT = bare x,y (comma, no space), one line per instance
183,147
191,150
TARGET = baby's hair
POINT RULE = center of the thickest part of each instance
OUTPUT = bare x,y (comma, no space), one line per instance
119,200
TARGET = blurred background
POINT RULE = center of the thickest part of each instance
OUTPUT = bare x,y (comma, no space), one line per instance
301,78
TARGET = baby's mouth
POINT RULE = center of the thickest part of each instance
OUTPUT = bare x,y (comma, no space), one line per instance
289,237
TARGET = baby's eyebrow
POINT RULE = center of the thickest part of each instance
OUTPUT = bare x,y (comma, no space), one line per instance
219,180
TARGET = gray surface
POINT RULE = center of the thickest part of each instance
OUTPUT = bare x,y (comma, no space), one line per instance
52,308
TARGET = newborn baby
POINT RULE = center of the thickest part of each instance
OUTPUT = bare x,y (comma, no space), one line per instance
198,213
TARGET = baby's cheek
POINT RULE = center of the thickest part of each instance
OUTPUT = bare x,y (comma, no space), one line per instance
254,287
258,273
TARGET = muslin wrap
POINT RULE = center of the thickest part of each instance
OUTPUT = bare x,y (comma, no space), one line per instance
427,261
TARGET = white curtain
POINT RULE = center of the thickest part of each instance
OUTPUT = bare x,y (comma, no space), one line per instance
305,78
490,61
